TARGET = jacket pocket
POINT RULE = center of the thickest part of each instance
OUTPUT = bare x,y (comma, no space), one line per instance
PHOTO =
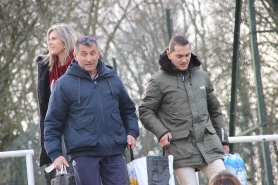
118,130
211,130
181,145
81,133
212,142
117,118
180,134
82,121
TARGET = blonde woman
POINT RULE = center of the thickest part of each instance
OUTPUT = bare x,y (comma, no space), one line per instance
52,65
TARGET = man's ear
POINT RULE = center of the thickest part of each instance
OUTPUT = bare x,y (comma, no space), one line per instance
74,55
168,54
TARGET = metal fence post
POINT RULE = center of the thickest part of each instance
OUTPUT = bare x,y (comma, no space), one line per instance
235,70
259,90
169,23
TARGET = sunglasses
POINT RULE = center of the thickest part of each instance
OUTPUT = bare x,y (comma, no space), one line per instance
84,39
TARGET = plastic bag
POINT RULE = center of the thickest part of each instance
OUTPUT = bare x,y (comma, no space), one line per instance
154,170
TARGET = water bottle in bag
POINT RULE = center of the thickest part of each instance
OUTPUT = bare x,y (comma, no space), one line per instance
240,169
229,162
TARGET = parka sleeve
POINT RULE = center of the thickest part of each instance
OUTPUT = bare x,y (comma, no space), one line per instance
55,117
215,113
128,111
149,107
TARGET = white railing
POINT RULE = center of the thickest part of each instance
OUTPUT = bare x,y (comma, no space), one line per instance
246,139
29,161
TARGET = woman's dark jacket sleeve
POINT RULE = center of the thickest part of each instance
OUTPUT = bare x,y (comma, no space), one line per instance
43,94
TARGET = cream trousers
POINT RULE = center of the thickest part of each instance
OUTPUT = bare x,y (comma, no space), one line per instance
187,176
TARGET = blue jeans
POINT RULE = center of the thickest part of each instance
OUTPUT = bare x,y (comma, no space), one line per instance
90,170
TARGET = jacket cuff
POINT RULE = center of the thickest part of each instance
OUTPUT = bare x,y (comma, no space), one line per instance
54,155
133,133
225,143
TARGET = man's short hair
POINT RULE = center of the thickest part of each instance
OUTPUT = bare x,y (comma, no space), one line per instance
177,40
86,41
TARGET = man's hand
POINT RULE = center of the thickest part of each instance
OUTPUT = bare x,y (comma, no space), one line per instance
166,138
226,149
131,142
58,162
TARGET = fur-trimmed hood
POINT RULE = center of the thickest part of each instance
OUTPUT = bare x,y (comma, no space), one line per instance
166,64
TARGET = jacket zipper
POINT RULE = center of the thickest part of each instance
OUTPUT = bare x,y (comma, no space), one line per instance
102,116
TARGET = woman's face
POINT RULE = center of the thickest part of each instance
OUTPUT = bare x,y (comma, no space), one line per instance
55,44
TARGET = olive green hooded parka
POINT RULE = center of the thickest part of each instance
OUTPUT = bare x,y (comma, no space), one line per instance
183,103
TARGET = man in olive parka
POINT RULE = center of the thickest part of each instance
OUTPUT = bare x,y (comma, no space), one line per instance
181,110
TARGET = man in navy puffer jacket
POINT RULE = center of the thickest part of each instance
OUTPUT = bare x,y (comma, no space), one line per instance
90,106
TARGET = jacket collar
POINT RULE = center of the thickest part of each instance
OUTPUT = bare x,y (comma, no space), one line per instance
102,70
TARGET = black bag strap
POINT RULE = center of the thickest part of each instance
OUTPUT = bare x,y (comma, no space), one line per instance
164,148
131,154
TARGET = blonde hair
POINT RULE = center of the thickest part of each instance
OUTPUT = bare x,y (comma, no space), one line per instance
67,35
